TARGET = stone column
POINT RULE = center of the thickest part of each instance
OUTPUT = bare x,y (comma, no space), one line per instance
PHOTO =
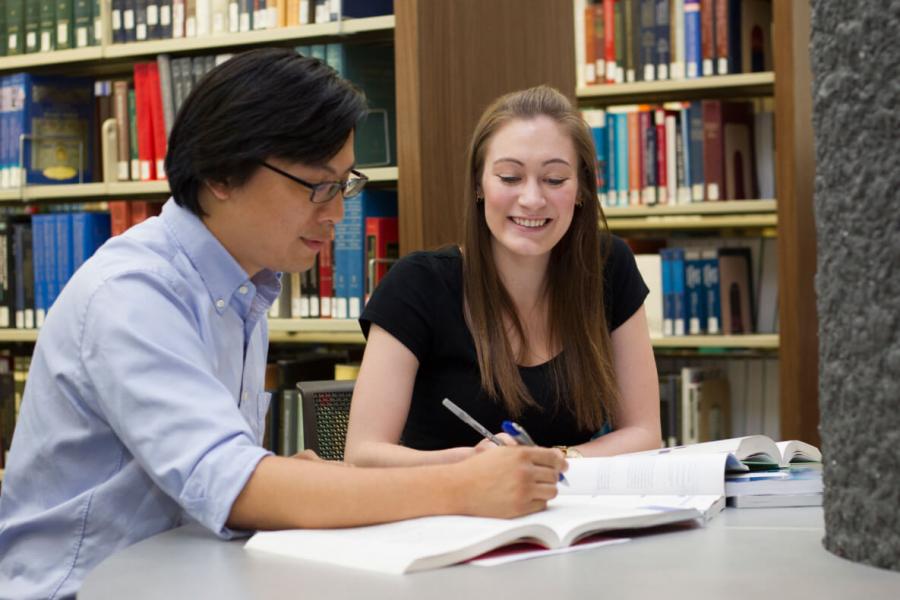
855,59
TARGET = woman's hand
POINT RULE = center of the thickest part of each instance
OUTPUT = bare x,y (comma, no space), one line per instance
486,444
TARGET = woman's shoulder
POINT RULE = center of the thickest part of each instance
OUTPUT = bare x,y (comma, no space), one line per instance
443,263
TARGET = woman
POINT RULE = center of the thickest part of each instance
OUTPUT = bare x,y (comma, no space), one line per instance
538,318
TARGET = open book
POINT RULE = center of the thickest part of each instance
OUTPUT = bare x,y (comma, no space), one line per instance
430,542
695,473
754,451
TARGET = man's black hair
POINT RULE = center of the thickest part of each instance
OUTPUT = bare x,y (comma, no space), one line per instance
269,102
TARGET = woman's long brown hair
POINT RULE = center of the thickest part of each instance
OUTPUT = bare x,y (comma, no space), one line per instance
585,380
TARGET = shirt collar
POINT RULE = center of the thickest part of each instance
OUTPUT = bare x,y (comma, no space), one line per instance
220,272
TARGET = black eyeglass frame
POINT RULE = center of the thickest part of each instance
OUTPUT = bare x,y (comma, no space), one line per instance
339,187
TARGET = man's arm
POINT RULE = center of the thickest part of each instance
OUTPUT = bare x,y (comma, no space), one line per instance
285,493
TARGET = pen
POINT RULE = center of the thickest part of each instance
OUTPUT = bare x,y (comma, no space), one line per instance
520,435
468,420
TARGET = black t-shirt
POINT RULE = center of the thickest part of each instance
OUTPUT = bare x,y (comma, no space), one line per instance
420,302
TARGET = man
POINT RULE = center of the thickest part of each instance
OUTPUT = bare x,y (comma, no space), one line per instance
145,405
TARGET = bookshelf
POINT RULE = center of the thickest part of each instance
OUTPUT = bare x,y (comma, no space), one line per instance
790,218
96,56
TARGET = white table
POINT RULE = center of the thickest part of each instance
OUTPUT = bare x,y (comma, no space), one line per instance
757,554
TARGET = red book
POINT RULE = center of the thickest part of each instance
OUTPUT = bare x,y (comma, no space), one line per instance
119,216
707,36
144,121
599,42
609,30
713,149
722,42
326,280
157,120
141,210
382,249
590,65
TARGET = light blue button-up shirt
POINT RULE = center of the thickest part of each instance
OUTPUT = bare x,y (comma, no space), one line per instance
144,406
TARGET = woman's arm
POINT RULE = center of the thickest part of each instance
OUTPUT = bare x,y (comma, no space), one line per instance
637,419
380,406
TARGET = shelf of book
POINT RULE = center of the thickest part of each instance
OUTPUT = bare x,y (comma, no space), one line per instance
126,189
744,84
760,341
183,45
692,222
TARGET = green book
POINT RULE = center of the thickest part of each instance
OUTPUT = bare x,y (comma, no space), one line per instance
47,33
32,25
133,136
3,26
65,24
15,27
84,23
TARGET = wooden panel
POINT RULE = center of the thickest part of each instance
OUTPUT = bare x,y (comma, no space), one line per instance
794,173
454,58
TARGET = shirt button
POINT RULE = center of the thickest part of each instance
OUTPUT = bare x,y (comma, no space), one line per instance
243,289
220,303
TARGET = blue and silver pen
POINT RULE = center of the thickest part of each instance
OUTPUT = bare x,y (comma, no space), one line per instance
468,420
521,436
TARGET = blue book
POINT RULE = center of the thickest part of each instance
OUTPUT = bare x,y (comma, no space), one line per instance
56,113
41,236
678,291
63,254
648,39
622,158
612,163
694,291
693,52
665,255
597,122
684,144
349,248
371,67
366,8
710,262
89,232
663,34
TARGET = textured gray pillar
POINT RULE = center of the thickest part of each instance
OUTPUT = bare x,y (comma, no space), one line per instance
856,116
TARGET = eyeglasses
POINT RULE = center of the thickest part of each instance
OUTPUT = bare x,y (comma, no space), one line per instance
325,191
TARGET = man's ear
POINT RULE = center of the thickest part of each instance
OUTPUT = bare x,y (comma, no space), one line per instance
220,189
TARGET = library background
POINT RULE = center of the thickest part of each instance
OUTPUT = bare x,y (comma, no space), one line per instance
689,113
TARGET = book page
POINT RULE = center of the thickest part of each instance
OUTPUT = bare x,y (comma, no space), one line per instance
636,474
571,518
399,547
709,505
797,451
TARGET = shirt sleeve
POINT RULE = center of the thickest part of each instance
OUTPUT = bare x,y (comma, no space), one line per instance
153,381
403,303
624,288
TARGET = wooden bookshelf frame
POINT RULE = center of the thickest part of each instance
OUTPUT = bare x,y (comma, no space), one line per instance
744,84
113,190
347,331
